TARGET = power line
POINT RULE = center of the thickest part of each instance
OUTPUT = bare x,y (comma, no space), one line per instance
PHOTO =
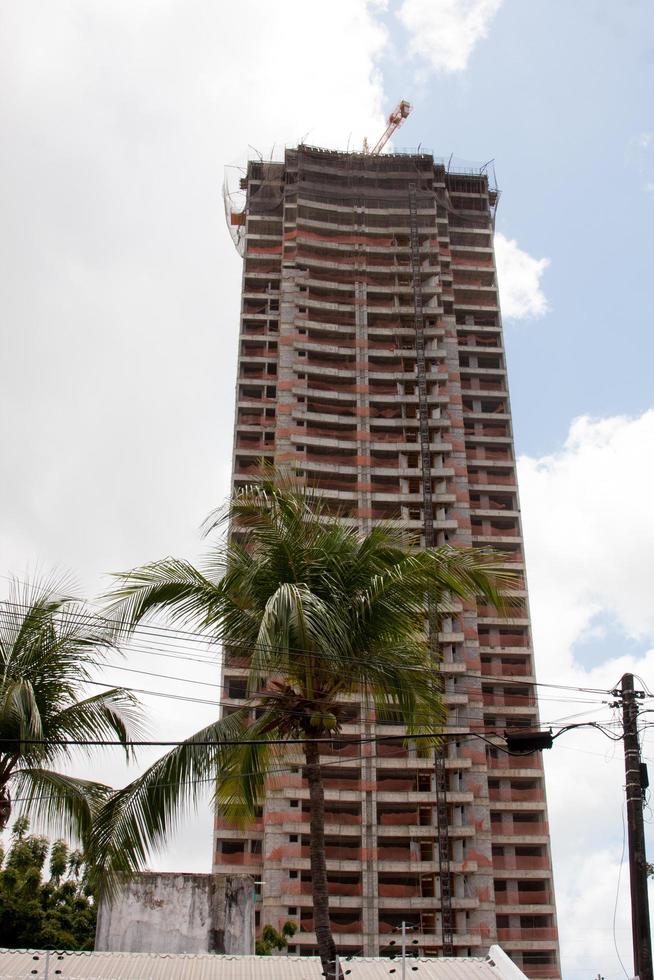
217,743
96,619
459,690
162,694
453,692
456,688
254,647
312,654
231,703
347,740
251,706
290,768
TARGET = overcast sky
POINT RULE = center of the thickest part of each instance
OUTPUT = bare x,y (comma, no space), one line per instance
119,297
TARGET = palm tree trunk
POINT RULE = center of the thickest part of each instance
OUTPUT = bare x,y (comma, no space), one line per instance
319,890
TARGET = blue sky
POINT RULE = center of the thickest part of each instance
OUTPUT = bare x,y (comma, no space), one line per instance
560,95
119,300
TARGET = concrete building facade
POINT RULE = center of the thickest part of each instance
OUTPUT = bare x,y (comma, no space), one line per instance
371,359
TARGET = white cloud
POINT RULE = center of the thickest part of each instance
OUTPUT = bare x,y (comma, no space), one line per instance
119,284
590,526
519,276
443,33
589,535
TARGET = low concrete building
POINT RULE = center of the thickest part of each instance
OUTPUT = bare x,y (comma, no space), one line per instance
179,913
36,964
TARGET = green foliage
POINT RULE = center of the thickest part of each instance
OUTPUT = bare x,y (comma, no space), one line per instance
271,940
321,607
321,613
58,860
57,912
49,647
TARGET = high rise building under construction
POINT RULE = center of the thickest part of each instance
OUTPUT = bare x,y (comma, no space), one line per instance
371,359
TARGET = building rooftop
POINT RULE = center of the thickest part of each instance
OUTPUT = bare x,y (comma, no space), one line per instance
62,965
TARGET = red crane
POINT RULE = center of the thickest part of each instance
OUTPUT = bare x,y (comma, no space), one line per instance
395,120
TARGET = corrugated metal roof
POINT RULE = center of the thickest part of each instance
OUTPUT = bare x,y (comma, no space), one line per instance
31,965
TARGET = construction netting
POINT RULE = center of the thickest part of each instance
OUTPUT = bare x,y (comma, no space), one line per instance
261,187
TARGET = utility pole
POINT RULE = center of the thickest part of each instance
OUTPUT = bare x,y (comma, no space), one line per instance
524,743
640,928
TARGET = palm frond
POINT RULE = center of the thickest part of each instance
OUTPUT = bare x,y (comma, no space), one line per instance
29,606
112,714
80,638
136,820
50,643
255,500
295,619
19,710
472,573
62,804
172,585
435,574
245,769
318,610
409,689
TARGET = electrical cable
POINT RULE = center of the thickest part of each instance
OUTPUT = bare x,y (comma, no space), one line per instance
317,655
96,619
598,755
447,693
578,714
645,687
311,654
290,768
218,703
590,724
293,767
215,743
230,703
617,894
153,632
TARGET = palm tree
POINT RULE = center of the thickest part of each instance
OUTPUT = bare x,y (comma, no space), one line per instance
49,645
320,611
